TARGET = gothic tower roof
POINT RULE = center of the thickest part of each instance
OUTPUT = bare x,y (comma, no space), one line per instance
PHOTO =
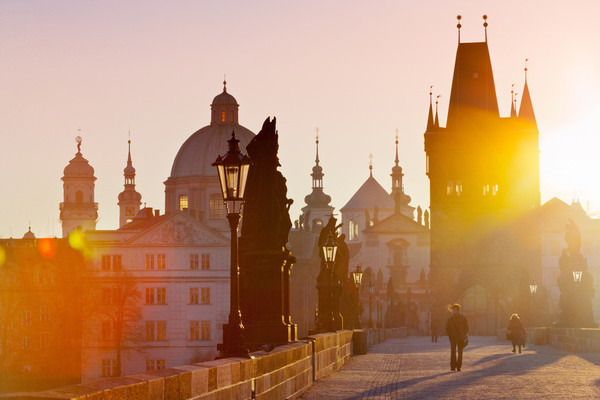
526,110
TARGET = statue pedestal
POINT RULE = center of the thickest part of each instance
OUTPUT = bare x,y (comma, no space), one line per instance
264,298
325,317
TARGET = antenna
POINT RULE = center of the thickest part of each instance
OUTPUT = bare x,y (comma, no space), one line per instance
458,18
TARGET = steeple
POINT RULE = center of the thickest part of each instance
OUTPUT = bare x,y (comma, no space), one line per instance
526,113
436,123
396,172
314,214
513,108
430,116
129,199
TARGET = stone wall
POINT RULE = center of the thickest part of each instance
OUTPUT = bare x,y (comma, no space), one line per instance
578,340
283,373
378,335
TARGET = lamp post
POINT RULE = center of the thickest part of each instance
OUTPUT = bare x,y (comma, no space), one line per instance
357,278
233,172
371,289
577,275
329,249
533,290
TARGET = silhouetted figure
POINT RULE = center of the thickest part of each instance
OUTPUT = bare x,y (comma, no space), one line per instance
342,260
434,326
516,332
457,329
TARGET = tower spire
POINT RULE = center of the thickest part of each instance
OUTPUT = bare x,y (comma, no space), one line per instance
317,143
513,108
430,124
458,18
526,110
485,25
397,160
437,120
224,83
371,165
129,199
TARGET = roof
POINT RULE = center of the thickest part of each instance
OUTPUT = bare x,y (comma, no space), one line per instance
369,195
78,167
396,223
473,95
555,214
199,151
526,109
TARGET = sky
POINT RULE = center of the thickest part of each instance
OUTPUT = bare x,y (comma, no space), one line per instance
357,70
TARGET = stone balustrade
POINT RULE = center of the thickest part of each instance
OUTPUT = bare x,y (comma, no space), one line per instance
283,373
577,340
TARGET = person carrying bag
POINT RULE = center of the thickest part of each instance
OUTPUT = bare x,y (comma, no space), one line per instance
457,329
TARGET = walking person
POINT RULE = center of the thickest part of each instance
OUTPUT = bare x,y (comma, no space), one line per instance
457,329
516,332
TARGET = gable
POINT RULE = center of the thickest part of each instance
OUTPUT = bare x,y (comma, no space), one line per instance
179,229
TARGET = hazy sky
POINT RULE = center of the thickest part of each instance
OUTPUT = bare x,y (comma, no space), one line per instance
358,70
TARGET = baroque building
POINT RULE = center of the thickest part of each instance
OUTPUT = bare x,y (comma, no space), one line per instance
484,186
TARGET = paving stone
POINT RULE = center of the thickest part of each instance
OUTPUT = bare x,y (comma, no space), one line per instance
414,368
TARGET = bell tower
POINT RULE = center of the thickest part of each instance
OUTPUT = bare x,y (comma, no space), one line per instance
78,209
129,199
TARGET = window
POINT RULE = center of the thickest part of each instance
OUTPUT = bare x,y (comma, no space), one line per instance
116,261
193,261
222,116
149,261
194,295
44,339
427,164
149,330
161,330
490,190
106,262
449,188
106,330
205,330
161,261
44,278
194,330
205,295
109,367
44,313
216,206
161,296
205,261
160,364
26,318
183,202
150,365
352,231
458,188
149,295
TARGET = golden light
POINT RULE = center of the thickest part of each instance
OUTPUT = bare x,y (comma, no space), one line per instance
2,256
46,247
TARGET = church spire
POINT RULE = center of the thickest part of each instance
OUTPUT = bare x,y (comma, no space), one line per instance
371,165
526,110
129,199
513,108
396,160
430,123
436,123
317,144
317,171
396,172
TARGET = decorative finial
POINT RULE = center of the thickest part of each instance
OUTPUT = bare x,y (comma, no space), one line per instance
485,25
317,142
371,164
224,83
78,140
397,160
430,93
527,59
458,18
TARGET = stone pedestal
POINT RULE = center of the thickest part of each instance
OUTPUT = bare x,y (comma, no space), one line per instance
324,316
264,295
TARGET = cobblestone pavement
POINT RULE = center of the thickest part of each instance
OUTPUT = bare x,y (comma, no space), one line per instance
414,368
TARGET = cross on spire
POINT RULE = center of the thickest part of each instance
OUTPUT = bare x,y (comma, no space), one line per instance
458,18
371,164
485,25
397,160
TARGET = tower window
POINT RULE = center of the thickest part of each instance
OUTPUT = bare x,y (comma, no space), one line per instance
232,116
458,188
222,116
183,202
216,206
352,230
449,188
79,196
427,164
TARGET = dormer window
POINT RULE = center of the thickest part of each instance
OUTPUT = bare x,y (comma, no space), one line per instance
222,116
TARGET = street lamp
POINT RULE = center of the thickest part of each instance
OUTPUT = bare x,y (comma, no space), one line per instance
233,172
577,275
329,249
357,276
371,289
533,288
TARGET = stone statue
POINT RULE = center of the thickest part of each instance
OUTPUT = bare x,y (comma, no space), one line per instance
301,221
367,219
266,224
426,217
342,260
327,230
296,225
419,215
573,238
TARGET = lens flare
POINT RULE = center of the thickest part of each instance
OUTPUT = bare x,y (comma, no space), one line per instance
46,247
2,256
77,240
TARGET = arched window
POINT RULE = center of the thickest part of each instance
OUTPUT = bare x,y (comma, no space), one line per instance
352,231
222,116
216,206
183,202
79,196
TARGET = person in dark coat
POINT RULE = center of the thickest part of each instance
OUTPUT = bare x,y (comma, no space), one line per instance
457,329
516,332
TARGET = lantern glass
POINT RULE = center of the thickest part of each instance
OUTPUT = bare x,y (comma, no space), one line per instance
329,249
357,276
577,275
233,170
533,288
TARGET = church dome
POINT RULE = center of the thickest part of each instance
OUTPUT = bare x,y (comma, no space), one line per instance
199,151
78,167
29,234
129,170
130,195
